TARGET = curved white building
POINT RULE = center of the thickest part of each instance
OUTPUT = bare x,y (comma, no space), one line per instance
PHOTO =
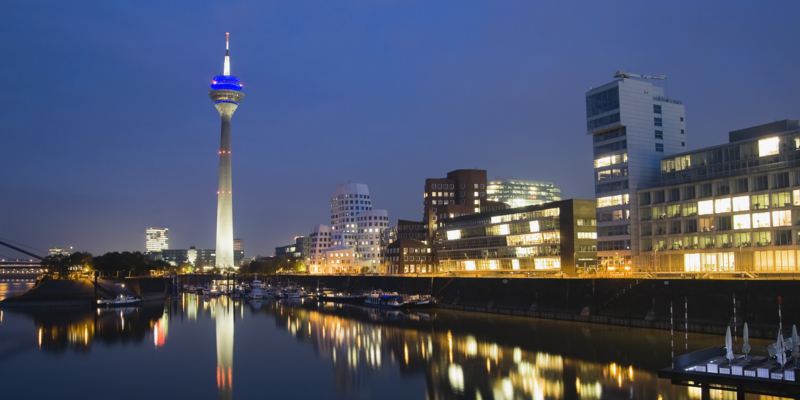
353,241
321,240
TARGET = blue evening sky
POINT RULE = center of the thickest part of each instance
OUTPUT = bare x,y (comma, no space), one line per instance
107,127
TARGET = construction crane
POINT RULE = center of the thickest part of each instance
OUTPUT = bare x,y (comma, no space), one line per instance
623,74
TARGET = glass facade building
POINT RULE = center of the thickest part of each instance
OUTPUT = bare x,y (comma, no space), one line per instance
633,126
520,193
734,207
156,239
554,237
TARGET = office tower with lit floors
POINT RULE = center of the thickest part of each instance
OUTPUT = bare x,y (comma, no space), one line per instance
633,125
226,94
156,239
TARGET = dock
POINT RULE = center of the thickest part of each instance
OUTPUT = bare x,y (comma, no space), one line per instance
709,369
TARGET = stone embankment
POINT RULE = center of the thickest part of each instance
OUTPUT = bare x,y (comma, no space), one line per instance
626,302
67,293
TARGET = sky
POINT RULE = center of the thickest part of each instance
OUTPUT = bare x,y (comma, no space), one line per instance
107,127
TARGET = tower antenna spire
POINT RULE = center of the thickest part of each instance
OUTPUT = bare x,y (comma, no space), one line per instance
227,67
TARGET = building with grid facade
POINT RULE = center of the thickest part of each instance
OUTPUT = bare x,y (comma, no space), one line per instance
633,126
732,207
554,237
521,193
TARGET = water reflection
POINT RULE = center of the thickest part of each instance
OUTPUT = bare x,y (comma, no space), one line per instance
372,352
223,311
480,356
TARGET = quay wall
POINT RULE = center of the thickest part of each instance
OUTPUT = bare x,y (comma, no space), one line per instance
631,302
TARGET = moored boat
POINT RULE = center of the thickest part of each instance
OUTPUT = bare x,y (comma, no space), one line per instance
379,299
119,301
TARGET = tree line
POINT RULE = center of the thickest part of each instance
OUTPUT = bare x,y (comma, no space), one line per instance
138,264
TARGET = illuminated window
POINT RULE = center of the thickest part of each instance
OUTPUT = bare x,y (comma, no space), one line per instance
761,220
722,205
503,229
515,264
768,147
453,235
796,197
587,235
469,265
691,262
705,207
741,221
782,218
741,203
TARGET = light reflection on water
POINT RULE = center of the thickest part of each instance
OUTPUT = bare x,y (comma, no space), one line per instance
460,355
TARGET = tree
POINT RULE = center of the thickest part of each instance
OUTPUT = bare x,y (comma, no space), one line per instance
56,265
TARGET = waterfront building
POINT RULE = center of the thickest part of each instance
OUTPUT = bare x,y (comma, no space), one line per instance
521,193
357,234
60,251
300,249
321,239
411,230
553,237
460,193
633,126
409,256
201,258
226,94
156,239
731,207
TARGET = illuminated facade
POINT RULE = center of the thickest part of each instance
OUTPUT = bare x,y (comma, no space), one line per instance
632,125
554,237
356,236
300,249
733,207
156,239
226,94
519,193
409,256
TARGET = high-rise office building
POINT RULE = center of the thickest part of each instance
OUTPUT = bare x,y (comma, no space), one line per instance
156,239
226,94
633,126
520,193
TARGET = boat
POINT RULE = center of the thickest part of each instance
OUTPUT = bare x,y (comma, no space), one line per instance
119,301
379,299
294,292
255,292
418,301
342,297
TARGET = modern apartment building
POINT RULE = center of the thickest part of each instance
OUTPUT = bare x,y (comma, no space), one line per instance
732,207
521,193
156,239
553,237
460,193
633,125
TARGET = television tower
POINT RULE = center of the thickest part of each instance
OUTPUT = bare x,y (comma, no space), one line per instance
226,94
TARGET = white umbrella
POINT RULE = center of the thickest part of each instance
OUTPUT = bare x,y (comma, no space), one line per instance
729,345
746,345
795,344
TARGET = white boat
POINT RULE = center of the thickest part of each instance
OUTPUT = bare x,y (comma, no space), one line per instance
255,292
120,300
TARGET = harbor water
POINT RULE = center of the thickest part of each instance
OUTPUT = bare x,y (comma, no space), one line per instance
218,348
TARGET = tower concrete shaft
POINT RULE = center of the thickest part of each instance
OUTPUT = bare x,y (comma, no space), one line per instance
226,96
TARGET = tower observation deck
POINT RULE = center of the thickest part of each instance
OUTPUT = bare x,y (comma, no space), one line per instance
226,94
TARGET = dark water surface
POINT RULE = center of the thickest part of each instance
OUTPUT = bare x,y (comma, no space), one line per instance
216,348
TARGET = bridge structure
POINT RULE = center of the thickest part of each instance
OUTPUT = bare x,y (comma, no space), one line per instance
20,268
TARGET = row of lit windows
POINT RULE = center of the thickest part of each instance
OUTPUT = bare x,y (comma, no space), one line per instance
610,201
720,206
720,241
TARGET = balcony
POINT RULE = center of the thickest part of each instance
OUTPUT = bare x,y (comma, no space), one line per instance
763,244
